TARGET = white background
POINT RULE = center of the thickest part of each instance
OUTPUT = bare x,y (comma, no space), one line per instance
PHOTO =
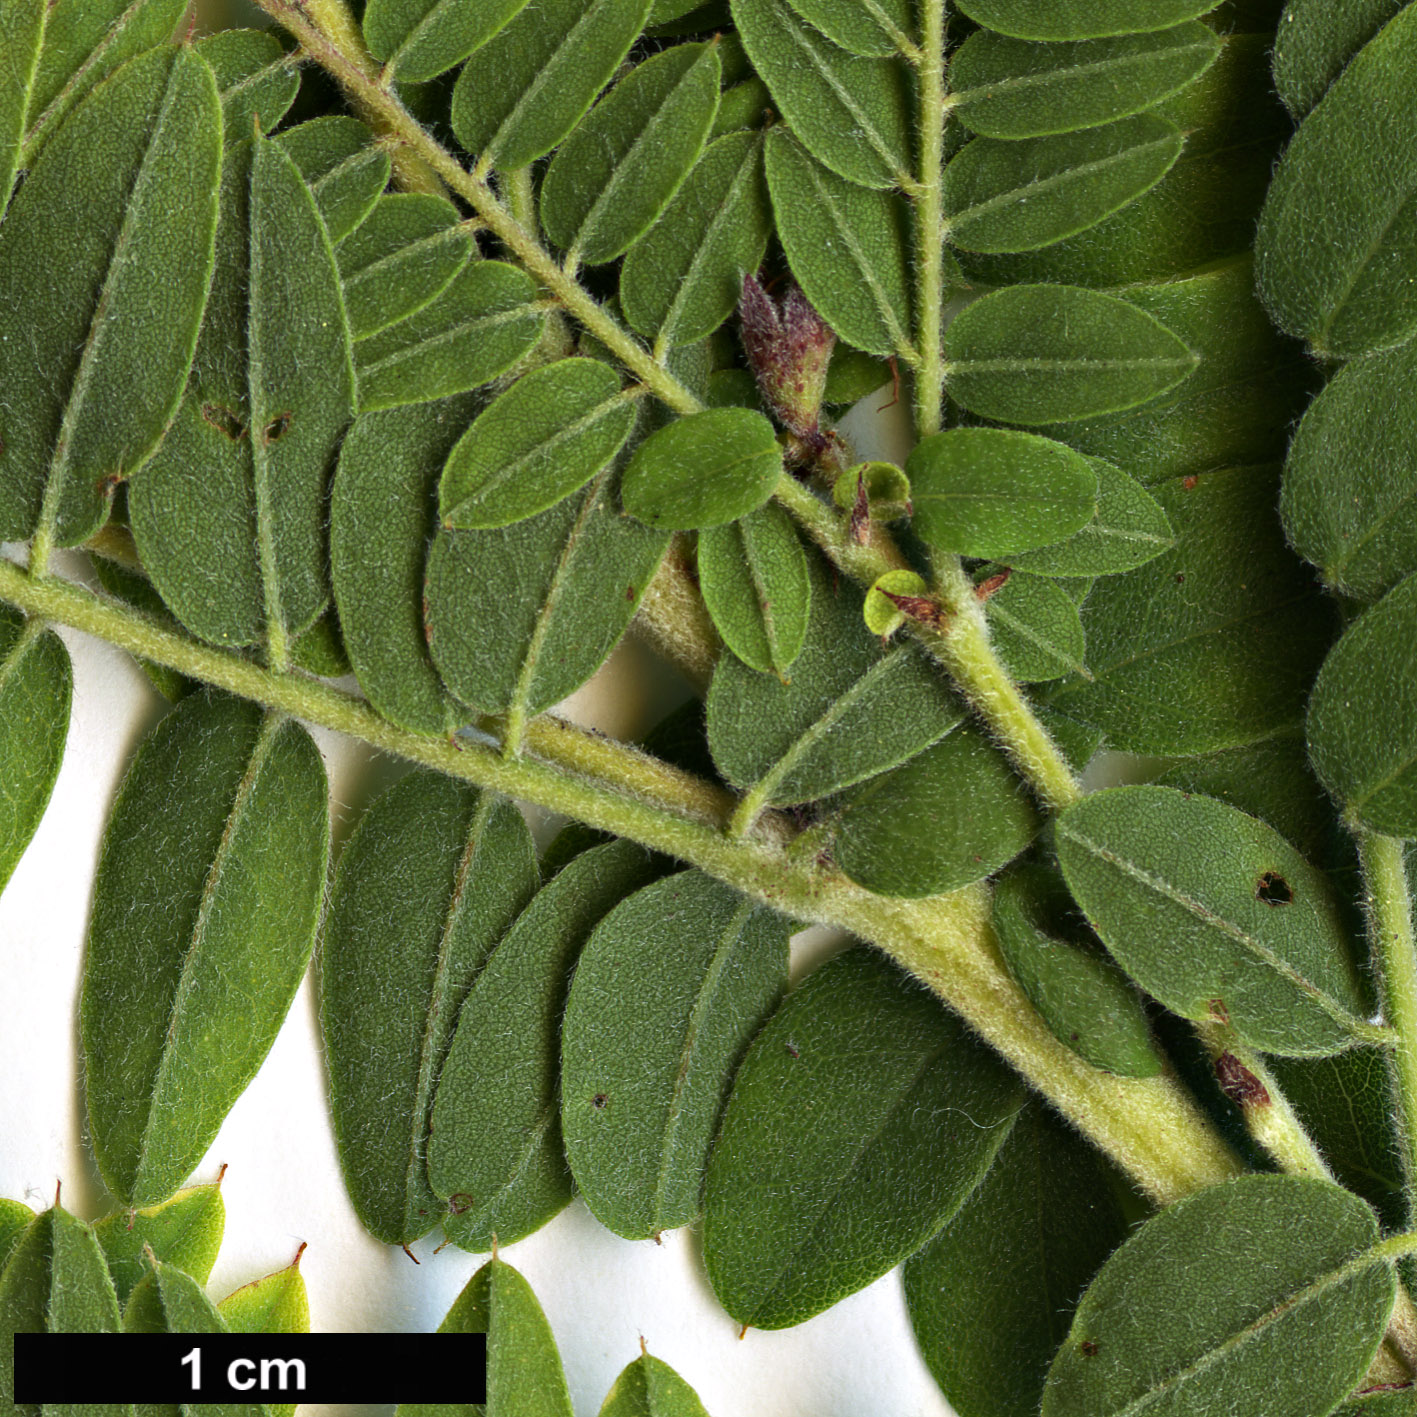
283,1186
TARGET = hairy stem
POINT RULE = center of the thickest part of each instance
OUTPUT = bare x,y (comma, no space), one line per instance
1151,1127
929,221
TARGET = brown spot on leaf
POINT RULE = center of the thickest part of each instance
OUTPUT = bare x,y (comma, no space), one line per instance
1088,1348
793,1050
630,594
276,429
859,527
224,420
1238,1083
1273,889
1190,483
600,1101
459,1201
1179,578
1218,1011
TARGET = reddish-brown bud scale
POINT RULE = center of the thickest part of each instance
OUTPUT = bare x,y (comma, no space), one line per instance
789,349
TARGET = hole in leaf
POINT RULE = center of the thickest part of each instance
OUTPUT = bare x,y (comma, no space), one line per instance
1089,1349
1273,889
599,1101
459,1202
276,429
224,421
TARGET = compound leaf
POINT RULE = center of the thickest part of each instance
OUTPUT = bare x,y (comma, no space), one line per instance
1037,629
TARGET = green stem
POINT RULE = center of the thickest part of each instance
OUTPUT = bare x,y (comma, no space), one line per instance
962,646
1150,1126
1389,909
929,222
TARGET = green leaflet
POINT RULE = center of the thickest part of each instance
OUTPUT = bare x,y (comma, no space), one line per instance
861,1118
55,1282
524,1375
681,280
105,256
1053,354
1362,726
1355,181
255,78
1203,210
1128,529
495,1154
1345,1104
1081,995
524,90
1010,88
1249,1299
618,171
208,894
482,324
36,684
15,1218
742,106
1021,1249
651,1388
185,1231
850,113
847,246
705,470
21,27
1081,19
875,27
135,589
534,445
320,649
667,995
230,515
1238,407
949,816
275,1303
399,258
1216,915
1213,644
851,709
344,168
1315,41
444,871
1271,780
1349,500
84,42
419,39
990,492
1036,629
521,616
1020,195
382,513
757,585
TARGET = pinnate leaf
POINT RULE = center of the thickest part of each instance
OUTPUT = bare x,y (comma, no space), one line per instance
757,586
1021,1249
1216,915
36,685
524,90
705,470
619,169
496,1154
860,1120
991,492
1036,628
1356,182
849,112
1081,19
419,39
1362,725
1037,354
847,247
105,256
1011,88
523,615
534,445
668,993
683,277
1249,1299
1020,195
481,325
208,894
444,871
